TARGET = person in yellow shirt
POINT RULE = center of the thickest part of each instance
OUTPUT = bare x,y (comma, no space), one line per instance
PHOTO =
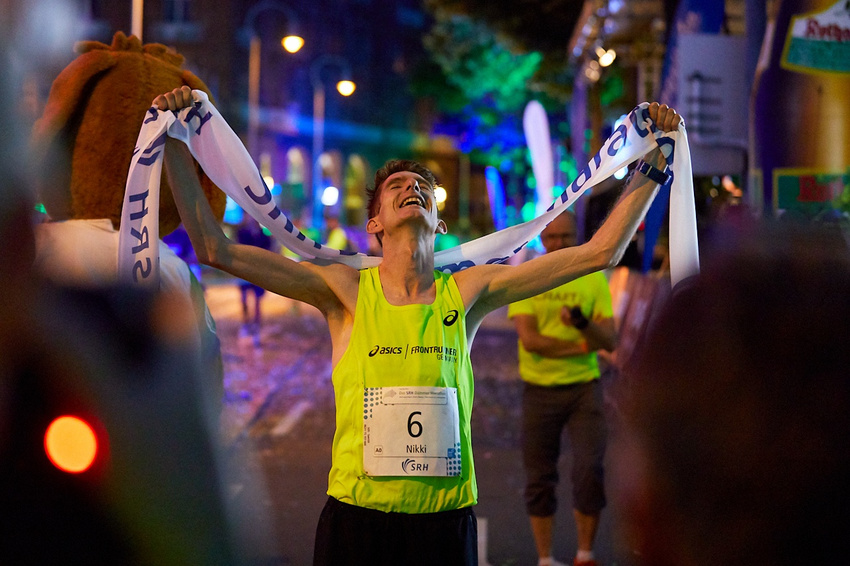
336,236
402,481
559,333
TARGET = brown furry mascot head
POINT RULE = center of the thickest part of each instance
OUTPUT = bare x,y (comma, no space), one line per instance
86,136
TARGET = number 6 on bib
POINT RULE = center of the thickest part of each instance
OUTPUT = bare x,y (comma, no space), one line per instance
411,431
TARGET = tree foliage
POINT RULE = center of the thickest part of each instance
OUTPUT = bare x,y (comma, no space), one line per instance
533,25
480,80
541,26
479,64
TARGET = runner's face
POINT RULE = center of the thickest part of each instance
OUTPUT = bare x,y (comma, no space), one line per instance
407,194
406,198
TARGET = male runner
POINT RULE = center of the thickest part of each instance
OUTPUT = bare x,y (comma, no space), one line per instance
402,330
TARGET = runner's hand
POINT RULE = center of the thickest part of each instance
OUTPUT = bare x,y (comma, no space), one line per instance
175,100
665,118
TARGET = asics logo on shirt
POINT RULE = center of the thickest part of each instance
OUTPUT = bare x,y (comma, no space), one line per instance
451,318
378,349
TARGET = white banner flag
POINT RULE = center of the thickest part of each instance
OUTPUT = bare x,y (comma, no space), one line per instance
227,163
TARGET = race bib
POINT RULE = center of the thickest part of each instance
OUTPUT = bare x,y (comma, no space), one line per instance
411,431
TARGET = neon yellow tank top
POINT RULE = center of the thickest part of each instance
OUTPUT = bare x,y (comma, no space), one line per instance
409,345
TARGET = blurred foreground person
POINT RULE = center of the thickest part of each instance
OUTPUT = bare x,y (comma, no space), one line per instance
141,483
735,441
106,453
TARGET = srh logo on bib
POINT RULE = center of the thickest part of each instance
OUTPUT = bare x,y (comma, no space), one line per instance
380,350
412,466
451,318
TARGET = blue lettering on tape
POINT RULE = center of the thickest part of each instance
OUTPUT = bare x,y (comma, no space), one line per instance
144,240
455,267
195,112
662,144
135,198
619,135
151,159
145,269
263,198
154,115
633,116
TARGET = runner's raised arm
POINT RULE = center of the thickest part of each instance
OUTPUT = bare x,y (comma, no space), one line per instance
488,287
331,289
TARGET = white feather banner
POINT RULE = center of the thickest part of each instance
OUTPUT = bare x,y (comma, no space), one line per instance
535,125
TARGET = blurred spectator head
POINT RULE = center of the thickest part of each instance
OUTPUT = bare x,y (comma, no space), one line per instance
561,233
735,439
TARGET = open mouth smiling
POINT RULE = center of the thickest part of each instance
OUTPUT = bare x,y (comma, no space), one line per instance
411,201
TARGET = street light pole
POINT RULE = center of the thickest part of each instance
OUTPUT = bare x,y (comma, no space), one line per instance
253,93
319,124
136,20
255,52
318,143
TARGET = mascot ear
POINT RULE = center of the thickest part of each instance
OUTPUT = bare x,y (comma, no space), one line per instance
67,91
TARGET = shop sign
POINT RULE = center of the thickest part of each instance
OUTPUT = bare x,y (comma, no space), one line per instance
819,42
809,191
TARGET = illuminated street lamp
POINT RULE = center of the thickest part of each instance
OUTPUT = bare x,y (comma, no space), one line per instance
345,87
440,195
292,42
606,57
330,196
